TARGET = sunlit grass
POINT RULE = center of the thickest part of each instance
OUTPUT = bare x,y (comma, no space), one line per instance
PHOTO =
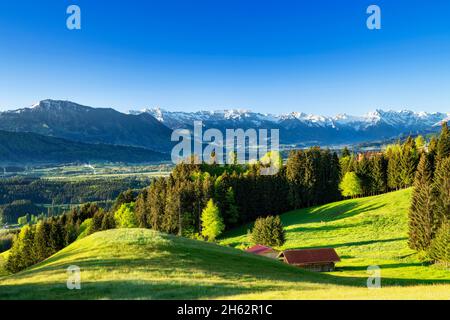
364,232
143,264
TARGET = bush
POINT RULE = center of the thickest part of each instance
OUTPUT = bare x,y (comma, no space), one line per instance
268,231
125,217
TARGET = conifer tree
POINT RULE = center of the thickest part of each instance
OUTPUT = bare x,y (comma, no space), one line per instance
231,215
409,158
268,231
432,146
442,191
108,221
42,240
364,172
394,167
295,176
156,203
440,246
422,216
443,146
141,210
346,152
379,174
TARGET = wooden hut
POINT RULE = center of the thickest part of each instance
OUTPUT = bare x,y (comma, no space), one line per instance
322,260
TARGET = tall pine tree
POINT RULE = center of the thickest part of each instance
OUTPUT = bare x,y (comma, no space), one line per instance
422,216
443,146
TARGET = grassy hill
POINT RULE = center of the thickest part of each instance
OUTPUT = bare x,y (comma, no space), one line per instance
143,264
364,232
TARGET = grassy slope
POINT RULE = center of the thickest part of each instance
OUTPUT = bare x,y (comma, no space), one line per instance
364,232
142,264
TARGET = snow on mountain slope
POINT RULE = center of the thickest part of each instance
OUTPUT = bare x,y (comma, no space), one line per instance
403,118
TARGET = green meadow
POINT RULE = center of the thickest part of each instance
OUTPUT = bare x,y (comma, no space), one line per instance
144,264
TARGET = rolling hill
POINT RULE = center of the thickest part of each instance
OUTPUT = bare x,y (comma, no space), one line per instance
143,264
26,148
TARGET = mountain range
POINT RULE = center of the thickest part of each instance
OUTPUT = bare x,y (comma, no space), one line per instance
78,128
303,129
71,121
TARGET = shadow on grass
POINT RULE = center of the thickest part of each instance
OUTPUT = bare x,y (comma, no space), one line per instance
129,289
356,243
331,212
326,227
387,266
191,272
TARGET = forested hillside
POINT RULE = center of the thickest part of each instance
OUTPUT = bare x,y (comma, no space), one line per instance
29,148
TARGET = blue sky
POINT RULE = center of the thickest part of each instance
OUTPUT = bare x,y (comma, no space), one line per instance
269,56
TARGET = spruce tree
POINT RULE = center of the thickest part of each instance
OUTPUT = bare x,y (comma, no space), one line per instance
231,215
443,146
141,210
422,216
442,191
364,172
379,174
408,160
295,176
440,246
394,167
42,240
268,231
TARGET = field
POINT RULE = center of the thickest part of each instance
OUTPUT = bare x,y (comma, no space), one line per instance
77,172
143,264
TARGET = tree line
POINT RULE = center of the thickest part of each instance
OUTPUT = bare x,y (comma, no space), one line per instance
47,191
37,242
373,173
175,204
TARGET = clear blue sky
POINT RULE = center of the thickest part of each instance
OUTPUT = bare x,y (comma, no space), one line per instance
314,56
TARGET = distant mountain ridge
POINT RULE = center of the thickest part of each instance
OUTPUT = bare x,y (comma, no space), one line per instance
301,128
68,120
152,128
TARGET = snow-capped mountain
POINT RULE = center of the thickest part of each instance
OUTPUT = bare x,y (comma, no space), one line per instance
151,128
72,121
299,127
